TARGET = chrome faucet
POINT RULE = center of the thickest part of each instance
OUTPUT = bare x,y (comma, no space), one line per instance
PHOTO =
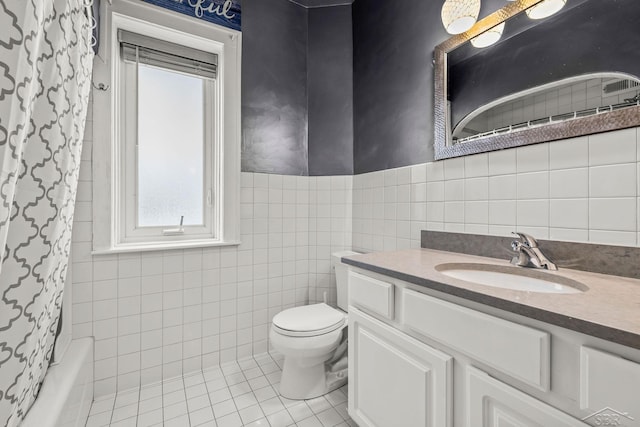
529,253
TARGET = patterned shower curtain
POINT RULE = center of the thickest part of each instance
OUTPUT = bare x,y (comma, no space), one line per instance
45,77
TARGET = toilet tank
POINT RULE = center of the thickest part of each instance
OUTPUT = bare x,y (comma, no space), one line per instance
341,271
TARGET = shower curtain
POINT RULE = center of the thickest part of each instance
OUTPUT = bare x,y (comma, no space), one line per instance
45,77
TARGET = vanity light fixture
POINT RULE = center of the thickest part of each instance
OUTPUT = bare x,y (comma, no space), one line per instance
459,15
545,8
489,37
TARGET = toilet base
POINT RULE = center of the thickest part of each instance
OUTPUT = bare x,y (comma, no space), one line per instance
301,382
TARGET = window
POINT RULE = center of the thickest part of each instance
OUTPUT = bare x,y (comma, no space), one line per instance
168,114
173,146
171,175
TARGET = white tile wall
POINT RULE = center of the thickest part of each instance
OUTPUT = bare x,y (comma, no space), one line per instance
391,207
158,315
584,189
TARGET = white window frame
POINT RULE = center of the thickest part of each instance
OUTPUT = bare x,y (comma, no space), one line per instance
114,159
128,212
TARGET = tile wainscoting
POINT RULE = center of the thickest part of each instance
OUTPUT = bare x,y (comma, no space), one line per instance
582,190
158,315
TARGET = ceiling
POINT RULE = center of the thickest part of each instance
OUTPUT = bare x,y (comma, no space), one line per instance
321,3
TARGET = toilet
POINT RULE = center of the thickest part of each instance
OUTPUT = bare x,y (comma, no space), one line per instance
313,341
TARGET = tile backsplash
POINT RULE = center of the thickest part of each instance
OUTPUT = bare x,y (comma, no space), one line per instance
583,189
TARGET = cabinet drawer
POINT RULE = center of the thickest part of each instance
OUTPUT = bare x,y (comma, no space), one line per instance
519,351
491,403
610,383
371,294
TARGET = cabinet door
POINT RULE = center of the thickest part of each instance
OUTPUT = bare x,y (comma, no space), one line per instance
491,403
609,388
395,380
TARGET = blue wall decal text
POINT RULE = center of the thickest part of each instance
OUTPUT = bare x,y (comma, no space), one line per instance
222,12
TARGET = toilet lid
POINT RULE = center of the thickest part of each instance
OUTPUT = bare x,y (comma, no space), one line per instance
309,320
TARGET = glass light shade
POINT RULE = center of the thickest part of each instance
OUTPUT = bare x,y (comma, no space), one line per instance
545,8
489,37
459,15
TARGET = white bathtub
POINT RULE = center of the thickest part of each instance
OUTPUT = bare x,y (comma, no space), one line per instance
67,392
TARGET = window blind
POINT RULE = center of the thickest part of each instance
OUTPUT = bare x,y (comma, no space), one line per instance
159,53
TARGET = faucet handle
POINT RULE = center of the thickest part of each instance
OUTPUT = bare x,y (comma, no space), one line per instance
515,245
525,239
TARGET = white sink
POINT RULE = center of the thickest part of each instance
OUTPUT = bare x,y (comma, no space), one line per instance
513,278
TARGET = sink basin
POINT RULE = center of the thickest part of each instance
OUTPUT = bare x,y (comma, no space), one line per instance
513,278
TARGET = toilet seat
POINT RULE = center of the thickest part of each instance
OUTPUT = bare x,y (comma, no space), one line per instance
308,321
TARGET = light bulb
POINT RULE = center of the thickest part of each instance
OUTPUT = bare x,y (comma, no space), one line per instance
545,8
489,37
459,15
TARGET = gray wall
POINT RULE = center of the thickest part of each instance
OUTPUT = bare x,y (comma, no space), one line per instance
330,90
297,96
274,87
393,45
296,86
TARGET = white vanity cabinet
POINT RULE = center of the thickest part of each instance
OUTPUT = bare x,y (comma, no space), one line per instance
421,358
395,380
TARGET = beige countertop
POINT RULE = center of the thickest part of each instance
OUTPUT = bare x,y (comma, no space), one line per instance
609,309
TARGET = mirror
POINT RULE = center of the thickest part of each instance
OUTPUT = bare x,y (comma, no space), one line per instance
573,73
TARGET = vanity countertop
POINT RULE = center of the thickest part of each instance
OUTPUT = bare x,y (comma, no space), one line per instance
610,309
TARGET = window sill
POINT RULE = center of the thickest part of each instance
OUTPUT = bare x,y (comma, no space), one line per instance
163,246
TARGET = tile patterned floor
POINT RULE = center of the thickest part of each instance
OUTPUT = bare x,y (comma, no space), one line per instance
242,393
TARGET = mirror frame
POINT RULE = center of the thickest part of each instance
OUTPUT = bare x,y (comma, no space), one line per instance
443,149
